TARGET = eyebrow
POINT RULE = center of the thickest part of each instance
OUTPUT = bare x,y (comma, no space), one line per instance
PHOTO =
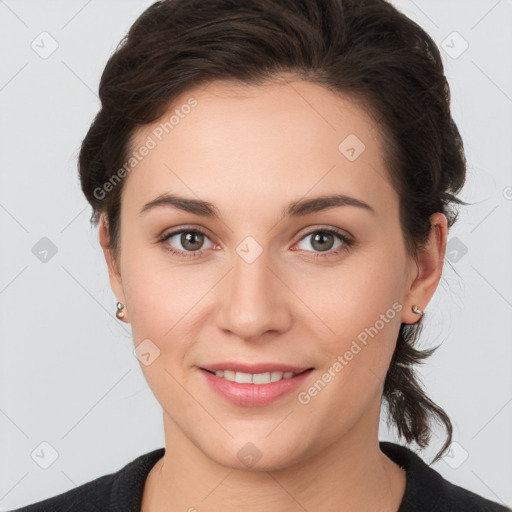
298,208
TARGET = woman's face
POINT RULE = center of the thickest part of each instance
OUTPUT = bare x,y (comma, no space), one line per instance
266,286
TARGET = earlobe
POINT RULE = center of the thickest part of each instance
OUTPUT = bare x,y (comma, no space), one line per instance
116,282
429,261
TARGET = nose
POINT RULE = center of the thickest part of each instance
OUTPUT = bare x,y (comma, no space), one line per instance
254,299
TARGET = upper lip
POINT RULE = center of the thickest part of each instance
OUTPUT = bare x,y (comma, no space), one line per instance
255,368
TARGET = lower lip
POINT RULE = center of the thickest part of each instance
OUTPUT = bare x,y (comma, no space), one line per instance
254,395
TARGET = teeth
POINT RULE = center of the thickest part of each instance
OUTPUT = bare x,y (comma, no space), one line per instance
275,376
243,378
253,378
261,378
228,374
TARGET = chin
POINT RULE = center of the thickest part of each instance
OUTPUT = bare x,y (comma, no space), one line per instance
258,455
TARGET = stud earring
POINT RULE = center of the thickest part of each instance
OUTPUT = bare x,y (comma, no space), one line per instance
120,310
417,310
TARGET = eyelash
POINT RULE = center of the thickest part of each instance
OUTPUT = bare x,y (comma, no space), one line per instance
347,243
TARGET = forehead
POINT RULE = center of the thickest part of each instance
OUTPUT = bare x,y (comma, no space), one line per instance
252,143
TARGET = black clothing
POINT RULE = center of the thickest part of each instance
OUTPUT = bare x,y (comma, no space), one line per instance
426,490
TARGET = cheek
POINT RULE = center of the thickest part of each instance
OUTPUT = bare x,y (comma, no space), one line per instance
167,306
158,291
360,311
349,299
353,363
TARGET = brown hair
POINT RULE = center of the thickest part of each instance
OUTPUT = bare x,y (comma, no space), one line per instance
366,49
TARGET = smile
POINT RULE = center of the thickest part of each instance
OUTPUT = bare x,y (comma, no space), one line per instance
253,378
255,389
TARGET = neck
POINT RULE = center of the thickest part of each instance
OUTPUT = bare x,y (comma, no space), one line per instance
351,474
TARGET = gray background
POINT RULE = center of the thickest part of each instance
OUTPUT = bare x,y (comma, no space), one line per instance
68,376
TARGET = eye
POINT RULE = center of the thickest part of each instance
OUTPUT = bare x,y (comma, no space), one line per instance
190,239
323,240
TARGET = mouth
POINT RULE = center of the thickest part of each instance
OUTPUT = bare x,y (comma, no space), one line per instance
256,384
255,378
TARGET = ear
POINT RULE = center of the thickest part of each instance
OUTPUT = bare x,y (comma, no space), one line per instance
113,268
429,263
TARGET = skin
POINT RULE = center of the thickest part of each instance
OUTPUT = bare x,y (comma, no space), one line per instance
250,151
